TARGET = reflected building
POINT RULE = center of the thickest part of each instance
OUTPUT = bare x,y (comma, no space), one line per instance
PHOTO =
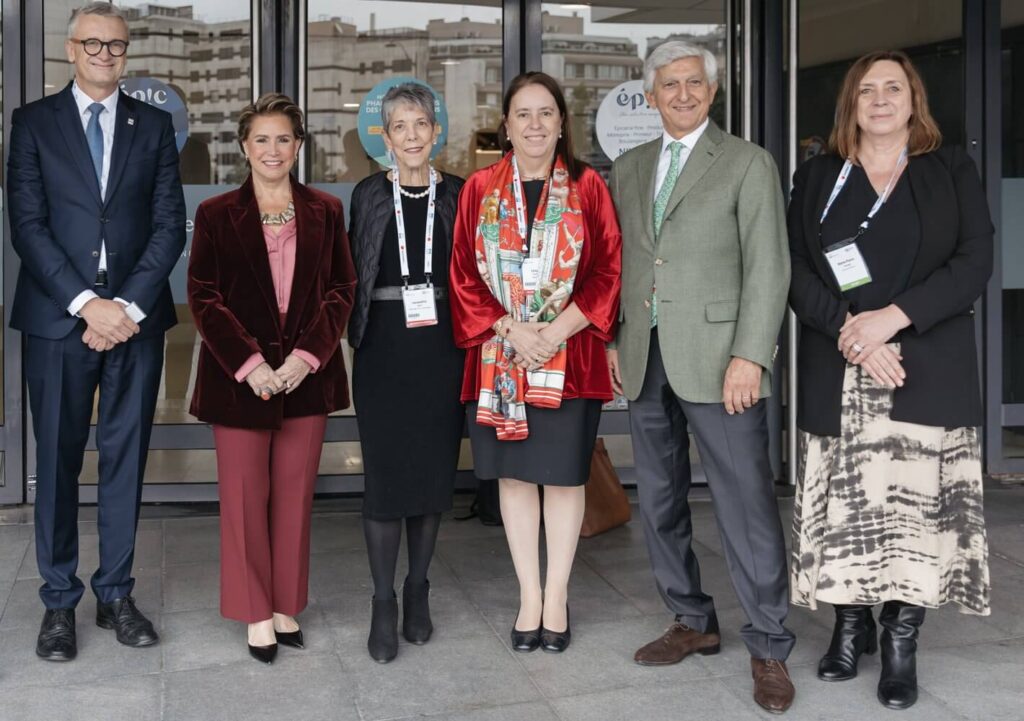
207,63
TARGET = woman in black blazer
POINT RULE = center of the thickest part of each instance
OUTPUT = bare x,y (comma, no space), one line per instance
891,245
406,371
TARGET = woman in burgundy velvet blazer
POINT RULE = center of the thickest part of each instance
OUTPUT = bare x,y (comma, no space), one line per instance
271,284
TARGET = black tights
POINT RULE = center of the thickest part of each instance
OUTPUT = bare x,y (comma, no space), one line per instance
382,541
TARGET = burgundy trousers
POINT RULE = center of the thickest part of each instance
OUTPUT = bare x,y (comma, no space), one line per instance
266,480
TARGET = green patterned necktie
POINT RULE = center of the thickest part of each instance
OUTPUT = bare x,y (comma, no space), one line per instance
660,203
667,186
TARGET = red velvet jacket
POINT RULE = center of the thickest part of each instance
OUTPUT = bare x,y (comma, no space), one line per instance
595,292
231,295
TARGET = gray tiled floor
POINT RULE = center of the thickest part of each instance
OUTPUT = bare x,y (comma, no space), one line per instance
970,667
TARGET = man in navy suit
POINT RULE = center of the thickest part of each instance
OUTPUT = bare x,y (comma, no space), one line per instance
98,220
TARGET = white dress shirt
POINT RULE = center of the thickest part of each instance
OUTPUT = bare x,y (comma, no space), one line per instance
665,158
107,124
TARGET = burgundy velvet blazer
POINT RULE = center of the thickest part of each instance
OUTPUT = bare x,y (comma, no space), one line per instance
595,293
231,295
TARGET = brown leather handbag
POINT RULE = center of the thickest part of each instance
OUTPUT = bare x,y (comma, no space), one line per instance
606,506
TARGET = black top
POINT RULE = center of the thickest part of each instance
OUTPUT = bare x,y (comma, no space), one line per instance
948,272
415,212
889,245
532,190
372,210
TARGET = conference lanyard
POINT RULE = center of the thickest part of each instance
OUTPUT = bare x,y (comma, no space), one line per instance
844,174
428,250
517,189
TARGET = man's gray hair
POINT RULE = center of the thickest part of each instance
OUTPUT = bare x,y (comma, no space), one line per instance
414,94
102,9
668,53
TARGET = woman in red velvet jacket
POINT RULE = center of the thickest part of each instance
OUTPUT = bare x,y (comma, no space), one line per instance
270,285
536,265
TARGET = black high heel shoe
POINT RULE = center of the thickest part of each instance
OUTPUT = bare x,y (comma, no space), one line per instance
290,638
556,641
525,641
383,641
263,654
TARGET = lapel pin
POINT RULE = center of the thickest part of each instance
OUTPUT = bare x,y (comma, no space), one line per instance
131,121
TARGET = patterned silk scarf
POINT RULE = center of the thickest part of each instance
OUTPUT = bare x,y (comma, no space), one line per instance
557,241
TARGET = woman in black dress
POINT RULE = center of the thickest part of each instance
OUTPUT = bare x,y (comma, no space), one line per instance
406,368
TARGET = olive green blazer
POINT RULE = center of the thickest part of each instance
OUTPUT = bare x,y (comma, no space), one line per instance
721,264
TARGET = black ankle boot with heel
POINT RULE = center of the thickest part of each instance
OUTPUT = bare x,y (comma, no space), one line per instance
854,633
901,622
416,624
383,641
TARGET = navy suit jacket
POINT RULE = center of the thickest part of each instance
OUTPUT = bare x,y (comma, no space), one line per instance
59,220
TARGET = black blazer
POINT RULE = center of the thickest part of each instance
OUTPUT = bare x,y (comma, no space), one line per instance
952,267
371,209
59,221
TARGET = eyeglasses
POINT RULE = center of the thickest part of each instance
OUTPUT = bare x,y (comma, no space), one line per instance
94,46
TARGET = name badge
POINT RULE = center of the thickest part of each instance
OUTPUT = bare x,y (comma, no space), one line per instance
848,264
420,306
531,273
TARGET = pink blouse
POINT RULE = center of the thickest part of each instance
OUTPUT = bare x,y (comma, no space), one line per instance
281,255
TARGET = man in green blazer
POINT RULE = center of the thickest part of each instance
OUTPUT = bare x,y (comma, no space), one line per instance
705,275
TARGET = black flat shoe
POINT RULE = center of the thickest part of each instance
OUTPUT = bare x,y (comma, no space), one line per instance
556,641
525,641
263,654
132,628
290,638
57,640
383,641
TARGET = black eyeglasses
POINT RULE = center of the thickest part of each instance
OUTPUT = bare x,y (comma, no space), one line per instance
94,46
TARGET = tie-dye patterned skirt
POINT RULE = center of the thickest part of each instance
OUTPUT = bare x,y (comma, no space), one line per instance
889,510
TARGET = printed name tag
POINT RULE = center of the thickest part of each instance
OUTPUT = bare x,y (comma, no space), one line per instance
420,307
848,264
531,273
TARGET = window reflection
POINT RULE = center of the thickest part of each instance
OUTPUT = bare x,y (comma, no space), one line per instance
593,51
456,49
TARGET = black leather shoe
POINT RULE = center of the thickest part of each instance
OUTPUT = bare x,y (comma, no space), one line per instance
416,624
556,641
132,628
383,641
525,641
290,638
854,633
57,640
897,686
263,654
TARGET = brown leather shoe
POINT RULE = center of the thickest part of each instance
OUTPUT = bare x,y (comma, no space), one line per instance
773,688
678,642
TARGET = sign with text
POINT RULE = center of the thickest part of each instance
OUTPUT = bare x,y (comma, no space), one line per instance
371,130
625,120
166,97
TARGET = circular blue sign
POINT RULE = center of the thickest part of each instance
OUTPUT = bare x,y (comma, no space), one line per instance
371,131
166,97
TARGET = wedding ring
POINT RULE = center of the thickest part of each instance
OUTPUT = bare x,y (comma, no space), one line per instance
857,347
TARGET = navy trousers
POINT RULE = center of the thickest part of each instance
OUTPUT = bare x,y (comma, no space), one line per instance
63,376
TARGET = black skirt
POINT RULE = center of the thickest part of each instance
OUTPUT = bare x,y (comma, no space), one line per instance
406,383
556,453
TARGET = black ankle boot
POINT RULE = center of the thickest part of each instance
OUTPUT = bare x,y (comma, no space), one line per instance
854,634
383,641
416,625
897,687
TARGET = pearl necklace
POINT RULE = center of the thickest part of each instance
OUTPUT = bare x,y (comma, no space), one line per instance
279,218
407,194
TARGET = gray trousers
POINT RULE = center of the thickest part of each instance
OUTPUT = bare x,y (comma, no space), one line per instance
734,451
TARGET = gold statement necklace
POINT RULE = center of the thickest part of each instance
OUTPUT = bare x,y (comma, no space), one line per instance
279,218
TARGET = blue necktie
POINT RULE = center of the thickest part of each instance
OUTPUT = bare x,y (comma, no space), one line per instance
94,135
